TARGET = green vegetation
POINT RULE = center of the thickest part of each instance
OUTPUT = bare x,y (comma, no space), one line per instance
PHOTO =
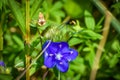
89,26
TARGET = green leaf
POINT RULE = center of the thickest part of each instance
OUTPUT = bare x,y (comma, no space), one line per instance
89,20
58,5
78,65
2,3
56,13
18,14
114,60
116,45
86,49
74,41
35,6
19,42
19,62
89,34
116,7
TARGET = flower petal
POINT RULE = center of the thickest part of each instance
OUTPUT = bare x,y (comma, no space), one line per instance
49,62
2,63
51,48
62,46
71,55
62,65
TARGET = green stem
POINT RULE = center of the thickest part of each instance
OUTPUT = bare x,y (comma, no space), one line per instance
27,65
58,75
27,38
1,37
1,34
1,41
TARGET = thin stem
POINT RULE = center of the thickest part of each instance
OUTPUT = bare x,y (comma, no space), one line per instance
1,34
45,74
58,75
66,19
21,75
1,41
1,37
27,65
27,38
101,46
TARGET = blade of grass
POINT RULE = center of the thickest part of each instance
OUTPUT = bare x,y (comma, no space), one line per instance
16,10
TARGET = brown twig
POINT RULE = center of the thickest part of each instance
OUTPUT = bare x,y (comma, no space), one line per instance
101,46
45,74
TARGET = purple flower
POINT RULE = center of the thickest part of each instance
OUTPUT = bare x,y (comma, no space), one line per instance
2,63
58,54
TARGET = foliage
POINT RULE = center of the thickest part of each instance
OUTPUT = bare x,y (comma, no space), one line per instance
82,32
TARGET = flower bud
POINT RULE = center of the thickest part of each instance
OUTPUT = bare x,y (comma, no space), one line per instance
41,20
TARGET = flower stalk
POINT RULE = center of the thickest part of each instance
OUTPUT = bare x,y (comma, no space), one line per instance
101,46
1,34
58,75
27,38
1,40
27,65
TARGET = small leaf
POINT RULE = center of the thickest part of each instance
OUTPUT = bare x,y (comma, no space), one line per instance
58,5
89,34
86,49
89,20
114,60
16,10
74,41
116,45
19,42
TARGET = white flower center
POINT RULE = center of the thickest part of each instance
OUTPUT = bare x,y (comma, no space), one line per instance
58,56
46,54
71,52
60,45
51,55
61,63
